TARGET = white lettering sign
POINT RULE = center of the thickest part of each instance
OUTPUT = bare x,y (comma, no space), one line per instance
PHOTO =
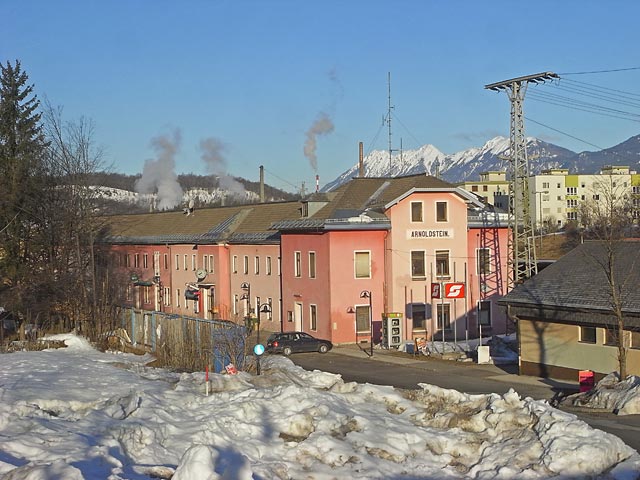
422,234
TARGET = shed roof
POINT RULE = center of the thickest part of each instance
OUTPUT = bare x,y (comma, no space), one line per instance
578,280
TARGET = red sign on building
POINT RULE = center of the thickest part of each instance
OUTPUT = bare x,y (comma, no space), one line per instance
435,290
454,290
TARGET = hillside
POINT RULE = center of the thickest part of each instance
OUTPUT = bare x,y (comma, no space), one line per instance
117,192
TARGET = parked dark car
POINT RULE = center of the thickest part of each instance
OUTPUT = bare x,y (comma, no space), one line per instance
296,342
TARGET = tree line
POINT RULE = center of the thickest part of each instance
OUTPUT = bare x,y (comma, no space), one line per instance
51,217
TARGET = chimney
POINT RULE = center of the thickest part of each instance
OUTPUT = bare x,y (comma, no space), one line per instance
360,160
317,183
261,184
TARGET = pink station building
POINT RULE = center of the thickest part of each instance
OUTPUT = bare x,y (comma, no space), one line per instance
385,259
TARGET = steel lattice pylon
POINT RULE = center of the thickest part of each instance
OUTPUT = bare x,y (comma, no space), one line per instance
521,260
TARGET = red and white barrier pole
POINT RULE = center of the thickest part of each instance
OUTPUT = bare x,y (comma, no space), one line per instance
206,380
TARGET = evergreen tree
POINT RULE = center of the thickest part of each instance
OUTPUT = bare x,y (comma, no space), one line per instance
22,150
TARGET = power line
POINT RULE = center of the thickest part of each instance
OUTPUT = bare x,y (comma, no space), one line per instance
573,104
600,71
595,87
528,119
577,138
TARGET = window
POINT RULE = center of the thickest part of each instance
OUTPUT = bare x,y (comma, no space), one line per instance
184,262
572,203
362,264
205,263
416,211
362,318
146,295
145,260
270,312
635,189
178,297
441,212
444,316
245,265
234,264
128,292
474,188
268,265
235,304
485,188
634,339
419,315
166,293
572,191
313,316
194,262
256,265
418,264
296,264
596,197
442,263
484,312
177,262
312,264
136,260
166,261
587,334
483,265
211,263
610,336
545,185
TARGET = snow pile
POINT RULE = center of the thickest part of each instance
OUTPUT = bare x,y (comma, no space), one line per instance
622,398
76,413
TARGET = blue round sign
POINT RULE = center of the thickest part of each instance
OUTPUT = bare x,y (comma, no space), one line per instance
258,349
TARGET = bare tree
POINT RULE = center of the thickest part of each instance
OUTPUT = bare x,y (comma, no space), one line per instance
608,216
74,223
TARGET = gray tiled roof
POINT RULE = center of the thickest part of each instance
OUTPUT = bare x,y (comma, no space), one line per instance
579,280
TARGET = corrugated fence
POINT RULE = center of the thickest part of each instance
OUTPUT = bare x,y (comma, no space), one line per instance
184,342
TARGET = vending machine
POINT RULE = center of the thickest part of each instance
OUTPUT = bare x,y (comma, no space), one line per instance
392,330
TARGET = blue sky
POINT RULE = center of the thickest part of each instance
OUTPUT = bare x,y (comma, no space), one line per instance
256,75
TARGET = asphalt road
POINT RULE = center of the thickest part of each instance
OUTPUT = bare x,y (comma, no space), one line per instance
405,371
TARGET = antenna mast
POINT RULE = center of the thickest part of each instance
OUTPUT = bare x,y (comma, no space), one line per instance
388,119
522,260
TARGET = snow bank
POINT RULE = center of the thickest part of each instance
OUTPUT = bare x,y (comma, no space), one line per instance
620,397
82,414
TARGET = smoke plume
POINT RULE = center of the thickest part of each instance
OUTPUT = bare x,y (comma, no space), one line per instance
213,156
322,126
159,176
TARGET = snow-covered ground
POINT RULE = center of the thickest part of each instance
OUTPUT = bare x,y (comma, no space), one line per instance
77,413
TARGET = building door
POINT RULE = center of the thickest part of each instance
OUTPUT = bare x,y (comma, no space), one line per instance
297,316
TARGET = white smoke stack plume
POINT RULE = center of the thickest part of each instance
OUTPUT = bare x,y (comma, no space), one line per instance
213,156
322,126
159,176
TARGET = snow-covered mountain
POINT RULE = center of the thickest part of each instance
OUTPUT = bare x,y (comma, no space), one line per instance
468,164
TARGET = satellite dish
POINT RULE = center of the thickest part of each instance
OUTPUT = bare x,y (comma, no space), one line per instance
201,274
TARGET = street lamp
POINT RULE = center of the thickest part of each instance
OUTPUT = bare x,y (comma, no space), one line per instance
544,192
247,296
367,294
258,349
